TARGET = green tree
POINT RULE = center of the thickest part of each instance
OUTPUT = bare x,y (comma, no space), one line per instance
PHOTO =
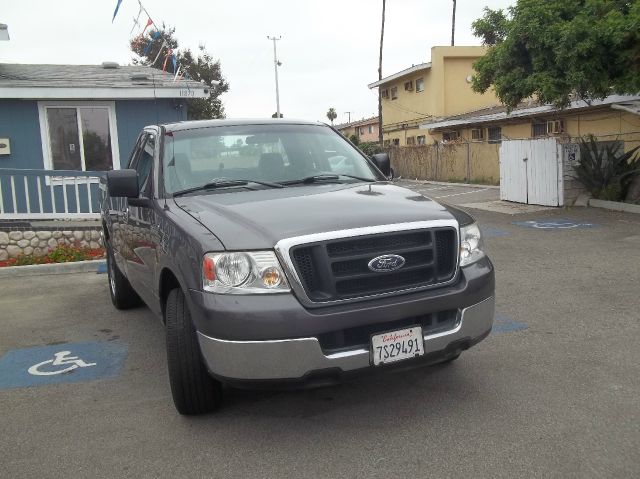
199,66
332,115
553,49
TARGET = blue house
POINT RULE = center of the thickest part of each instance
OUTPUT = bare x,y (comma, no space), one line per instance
62,126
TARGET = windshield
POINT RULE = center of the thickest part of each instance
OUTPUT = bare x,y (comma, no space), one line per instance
268,153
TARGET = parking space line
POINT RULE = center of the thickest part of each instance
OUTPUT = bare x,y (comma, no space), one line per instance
464,193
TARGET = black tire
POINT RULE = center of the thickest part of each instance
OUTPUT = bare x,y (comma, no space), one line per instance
122,294
194,390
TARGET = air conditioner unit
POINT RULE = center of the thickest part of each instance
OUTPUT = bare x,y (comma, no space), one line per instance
555,127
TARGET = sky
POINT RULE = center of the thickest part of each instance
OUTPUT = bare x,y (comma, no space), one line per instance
329,48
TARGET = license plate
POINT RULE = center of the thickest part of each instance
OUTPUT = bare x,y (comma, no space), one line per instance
397,345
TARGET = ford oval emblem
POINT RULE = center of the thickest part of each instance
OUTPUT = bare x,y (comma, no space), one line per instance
386,263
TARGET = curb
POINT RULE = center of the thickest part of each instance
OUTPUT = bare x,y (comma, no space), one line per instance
615,206
444,183
91,266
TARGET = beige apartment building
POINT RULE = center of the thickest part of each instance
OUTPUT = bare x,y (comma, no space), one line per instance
366,129
427,92
616,118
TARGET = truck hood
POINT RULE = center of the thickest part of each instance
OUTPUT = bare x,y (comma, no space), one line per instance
245,220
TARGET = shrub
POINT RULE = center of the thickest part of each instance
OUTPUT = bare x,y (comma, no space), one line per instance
370,148
605,171
60,254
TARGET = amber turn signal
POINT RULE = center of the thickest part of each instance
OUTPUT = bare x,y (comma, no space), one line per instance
209,268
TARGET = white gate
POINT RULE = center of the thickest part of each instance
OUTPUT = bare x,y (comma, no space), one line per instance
531,172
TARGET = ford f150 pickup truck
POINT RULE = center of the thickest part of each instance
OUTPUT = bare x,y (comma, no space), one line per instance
276,253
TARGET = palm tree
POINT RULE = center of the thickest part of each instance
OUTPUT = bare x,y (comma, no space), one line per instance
384,4
332,115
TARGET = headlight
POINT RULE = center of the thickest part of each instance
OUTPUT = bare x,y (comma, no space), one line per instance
243,273
471,247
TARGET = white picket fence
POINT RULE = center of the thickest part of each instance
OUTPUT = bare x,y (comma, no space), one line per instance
49,194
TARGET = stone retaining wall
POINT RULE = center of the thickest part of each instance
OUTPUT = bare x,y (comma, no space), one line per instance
39,242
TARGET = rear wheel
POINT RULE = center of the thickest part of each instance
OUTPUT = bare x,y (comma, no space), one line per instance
194,390
122,294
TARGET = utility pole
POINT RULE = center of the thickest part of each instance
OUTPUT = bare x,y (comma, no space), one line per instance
453,25
348,113
276,64
384,5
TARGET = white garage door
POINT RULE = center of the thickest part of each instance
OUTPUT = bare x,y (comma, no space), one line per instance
531,172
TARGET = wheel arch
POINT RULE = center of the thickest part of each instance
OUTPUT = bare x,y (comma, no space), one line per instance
168,281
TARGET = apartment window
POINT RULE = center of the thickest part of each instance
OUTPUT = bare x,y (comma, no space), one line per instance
494,133
450,135
384,93
411,140
419,85
555,127
370,129
394,93
420,139
395,142
362,130
477,134
408,85
538,129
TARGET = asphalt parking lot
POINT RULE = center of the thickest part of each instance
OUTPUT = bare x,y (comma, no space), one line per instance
553,392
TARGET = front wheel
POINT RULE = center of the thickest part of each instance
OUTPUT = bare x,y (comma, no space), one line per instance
122,294
194,390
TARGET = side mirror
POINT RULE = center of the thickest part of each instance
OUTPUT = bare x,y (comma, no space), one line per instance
123,183
383,162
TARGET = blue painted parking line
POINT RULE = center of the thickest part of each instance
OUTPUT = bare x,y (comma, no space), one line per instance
555,224
492,232
61,363
504,324
102,268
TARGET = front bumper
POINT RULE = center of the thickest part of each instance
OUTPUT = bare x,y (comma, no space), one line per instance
292,359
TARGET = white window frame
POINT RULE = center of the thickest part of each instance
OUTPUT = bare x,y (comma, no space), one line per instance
479,133
44,130
421,89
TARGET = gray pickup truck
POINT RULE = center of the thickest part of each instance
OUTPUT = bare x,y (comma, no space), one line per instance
276,253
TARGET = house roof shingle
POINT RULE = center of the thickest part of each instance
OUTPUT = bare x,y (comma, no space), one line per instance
116,77
499,113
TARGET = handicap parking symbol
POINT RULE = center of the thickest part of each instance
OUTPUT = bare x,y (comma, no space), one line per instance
554,224
61,363
504,324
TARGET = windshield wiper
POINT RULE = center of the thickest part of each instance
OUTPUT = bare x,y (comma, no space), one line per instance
325,177
226,183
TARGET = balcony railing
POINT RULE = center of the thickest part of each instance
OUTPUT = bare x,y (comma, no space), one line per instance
49,194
